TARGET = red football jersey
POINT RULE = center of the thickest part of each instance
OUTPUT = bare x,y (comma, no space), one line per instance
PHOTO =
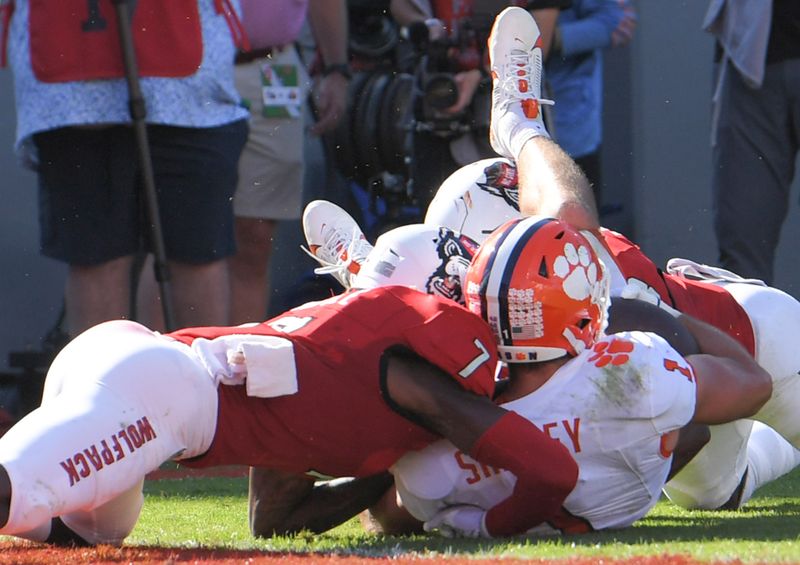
705,301
338,423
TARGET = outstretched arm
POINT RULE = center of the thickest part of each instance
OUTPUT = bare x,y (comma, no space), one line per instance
545,470
282,503
730,384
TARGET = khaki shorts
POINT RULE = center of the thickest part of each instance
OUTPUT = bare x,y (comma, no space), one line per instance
271,166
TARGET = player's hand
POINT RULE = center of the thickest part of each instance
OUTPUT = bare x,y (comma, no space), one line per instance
639,290
462,521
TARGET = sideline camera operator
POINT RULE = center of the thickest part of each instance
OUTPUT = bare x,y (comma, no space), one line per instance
452,114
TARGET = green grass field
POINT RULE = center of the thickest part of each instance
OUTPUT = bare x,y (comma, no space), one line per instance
212,513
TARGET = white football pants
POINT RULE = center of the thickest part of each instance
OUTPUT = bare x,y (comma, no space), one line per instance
119,400
711,477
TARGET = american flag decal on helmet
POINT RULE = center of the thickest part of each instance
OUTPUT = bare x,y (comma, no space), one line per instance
506,253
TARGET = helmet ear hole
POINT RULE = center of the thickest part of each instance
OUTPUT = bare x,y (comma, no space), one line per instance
543,269
584,322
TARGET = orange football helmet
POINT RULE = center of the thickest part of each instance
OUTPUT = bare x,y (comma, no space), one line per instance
541,287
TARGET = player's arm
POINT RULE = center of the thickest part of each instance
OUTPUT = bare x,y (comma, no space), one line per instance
627,314
283,503
388,517
545,470
730,384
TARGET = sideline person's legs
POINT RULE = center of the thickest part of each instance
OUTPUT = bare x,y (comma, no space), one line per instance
195,171
89,215
754,154
270,187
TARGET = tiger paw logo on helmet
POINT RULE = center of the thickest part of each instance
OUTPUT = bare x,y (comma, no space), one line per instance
578,271
581,279
542,289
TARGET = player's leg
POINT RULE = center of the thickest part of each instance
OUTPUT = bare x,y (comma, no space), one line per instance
775,317
711,477
550,182
120,401
734,464
109,523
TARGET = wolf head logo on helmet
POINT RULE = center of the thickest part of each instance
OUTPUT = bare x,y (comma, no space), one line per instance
501,180
477,198
456,252
542,289
429,258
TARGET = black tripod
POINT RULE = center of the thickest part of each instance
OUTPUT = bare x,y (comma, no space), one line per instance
138,111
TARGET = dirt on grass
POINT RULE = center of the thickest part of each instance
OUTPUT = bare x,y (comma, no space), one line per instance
27,553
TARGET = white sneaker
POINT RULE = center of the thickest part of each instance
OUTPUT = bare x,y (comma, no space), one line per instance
334,240
515,56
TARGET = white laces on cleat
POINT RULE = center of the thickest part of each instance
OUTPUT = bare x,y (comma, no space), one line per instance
340,254
519,76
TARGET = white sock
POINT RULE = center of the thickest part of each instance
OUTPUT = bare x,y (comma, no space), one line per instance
524,132
513,130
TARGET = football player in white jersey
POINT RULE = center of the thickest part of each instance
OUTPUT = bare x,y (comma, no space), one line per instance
417,255
550,183
617,402
482,195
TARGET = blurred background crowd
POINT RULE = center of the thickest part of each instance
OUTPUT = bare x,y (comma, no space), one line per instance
371,104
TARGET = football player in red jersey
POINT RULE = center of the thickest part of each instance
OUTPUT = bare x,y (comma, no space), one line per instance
341,387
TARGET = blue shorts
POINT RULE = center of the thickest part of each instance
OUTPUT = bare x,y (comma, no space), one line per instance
92,207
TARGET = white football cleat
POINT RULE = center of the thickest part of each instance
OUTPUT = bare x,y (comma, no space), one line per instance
335,240
515,57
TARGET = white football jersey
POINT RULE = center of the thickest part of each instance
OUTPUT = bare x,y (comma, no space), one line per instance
610,406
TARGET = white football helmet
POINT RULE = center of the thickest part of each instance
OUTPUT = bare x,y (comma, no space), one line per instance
476,199
431,259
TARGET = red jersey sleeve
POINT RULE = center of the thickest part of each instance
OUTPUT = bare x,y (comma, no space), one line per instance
546,474
461,344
